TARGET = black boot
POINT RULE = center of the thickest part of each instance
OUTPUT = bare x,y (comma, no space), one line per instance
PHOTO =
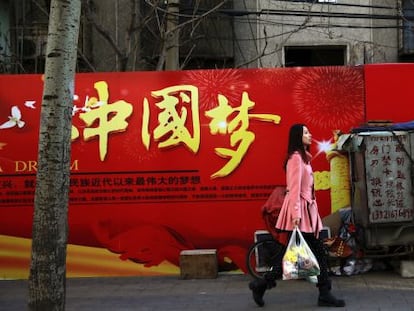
326,299
258,288
270,278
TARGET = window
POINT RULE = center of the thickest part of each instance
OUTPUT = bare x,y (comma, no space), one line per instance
408,35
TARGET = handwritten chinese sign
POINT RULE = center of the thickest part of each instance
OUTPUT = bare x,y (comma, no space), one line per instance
388,178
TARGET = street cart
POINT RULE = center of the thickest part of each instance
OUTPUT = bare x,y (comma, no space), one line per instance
382,179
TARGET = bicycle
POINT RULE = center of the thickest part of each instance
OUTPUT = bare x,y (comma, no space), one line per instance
267,251
264,253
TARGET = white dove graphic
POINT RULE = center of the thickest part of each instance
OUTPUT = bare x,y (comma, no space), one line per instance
14,119
30,104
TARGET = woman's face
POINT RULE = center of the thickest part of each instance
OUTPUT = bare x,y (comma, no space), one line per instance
306,137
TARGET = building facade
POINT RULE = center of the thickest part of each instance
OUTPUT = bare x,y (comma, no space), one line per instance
304,33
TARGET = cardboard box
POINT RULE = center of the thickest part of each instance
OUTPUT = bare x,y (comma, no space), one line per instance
407,268
333,222
199,264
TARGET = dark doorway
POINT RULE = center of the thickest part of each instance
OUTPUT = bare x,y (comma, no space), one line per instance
315,56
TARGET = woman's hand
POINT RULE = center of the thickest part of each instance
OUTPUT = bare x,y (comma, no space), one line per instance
296,222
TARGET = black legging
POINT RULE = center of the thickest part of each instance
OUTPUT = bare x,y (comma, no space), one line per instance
320,253
318,250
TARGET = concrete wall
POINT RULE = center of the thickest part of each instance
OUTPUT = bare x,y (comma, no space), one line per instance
207,38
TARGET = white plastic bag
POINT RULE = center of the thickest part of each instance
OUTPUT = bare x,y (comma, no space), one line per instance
298,261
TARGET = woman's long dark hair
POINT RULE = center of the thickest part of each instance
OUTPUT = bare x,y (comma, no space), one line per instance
295,143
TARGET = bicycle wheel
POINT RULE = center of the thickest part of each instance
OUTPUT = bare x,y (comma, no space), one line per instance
262,255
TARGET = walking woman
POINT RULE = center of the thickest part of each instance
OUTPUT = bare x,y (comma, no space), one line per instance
300,209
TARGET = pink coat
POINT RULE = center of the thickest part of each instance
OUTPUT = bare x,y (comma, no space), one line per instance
299,201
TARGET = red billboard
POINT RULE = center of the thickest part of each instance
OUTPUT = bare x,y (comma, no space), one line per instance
167,161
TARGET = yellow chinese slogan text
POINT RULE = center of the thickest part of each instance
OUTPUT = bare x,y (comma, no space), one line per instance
240,136
178,103
109,117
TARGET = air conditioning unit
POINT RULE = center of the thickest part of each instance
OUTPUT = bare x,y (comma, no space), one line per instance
32,46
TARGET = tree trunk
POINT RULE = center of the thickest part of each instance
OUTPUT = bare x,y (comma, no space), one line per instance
47,280
172,59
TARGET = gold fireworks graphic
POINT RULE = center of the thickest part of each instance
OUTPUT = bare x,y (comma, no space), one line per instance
330,97
278,79
211,83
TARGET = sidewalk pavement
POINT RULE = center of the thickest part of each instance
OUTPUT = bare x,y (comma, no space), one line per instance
380,291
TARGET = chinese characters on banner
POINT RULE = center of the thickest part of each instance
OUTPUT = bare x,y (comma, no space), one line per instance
388,178
176,105
132,187
170,119
112,118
